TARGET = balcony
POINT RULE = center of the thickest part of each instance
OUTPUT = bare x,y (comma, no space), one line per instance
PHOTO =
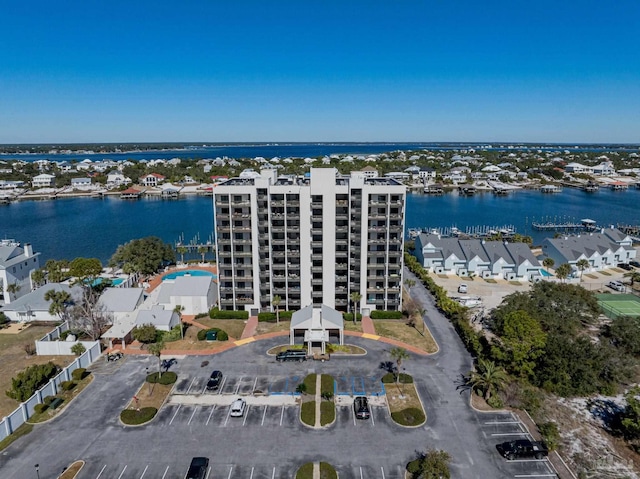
244,300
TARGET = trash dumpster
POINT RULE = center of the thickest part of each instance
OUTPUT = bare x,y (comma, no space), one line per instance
212,335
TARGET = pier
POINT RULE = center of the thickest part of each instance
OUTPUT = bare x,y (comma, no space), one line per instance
563,224
479,231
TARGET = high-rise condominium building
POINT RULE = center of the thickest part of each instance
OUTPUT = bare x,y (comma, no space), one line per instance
314,240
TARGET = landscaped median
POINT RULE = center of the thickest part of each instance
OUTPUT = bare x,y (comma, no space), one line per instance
326,471
316,401
404,403
149,398
52,405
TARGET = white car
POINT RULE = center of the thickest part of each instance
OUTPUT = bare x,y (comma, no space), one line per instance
616,286
463,288
238,407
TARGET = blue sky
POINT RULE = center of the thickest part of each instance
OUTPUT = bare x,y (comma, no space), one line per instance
98,71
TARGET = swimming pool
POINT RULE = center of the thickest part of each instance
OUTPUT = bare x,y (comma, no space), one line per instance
189,272
544,272
114,281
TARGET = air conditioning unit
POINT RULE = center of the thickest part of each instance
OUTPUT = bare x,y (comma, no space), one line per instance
463,272
486,274
510,276
439,270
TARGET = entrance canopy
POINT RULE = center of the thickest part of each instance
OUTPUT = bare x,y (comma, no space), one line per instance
317,324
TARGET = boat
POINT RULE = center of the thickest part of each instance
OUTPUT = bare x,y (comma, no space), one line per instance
550,189
591,187
467,190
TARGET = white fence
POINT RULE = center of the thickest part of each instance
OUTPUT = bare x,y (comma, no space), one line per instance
50,344
18,417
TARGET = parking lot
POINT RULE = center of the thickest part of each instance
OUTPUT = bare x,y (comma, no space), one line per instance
229,471
502,427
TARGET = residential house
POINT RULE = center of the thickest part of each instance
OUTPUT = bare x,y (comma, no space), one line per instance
152,179
33,307
427,173
43,180
115,179
80,182
16,264
369,172
194,294
162,319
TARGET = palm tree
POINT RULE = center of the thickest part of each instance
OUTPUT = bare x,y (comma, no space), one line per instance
60,300
276,302
548,263
355,298
409,283
635,276
582,264
156,350
563,271
398,355
422,312
13,288
181,250
38,278
203,251
179,309
488,378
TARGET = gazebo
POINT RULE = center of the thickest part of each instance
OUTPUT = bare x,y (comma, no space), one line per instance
317,325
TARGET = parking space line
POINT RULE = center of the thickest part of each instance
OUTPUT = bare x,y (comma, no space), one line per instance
282,415
373,423
382,471
209,418
510,434
208,473
189,388
165,472
353,414
273,474
122,473
246,415
101,471
254,384
251,476
238,385
361,476
144,472
195,409
224,380
502,422
230,471
227,418
175,414
264,413
535,475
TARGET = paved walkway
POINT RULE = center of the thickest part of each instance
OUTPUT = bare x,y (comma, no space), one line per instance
250,328
367,325
316,470
318,423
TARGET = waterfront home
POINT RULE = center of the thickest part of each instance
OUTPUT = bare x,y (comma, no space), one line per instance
11,185
16,264
43,180
486,259
152,179
195,294
578,168
603,249
33,307
80,182
604,169
115,179
427,173
369,172
120,303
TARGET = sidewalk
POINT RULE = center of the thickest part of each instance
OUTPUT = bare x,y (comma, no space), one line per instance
367,325
250,328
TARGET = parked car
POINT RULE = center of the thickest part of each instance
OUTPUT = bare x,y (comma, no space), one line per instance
214,381
635,264
616,286
292,355
625,266
198,468
361,407
238,407
463,288
523,449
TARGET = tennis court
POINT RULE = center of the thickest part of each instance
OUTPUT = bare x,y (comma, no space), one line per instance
619,305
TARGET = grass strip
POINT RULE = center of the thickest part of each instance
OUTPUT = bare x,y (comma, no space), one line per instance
17,434
308,413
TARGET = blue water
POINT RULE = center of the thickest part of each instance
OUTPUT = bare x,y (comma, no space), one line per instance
190,272
544,272
72,227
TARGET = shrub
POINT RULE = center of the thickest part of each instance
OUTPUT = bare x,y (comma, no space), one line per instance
78,374
145,333
67,385
48,400
495,402
550,435
218,314
222,336
202,315
64,334
30,380
301,388
409,417
166,378
268,317
40,408
30,349
390,378
375,314
175,334
349,317
134,417
78,349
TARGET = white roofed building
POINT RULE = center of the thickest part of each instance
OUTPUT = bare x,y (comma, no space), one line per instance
317,326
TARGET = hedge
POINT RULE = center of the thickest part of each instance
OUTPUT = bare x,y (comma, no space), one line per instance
349,317
79,374
409,417
67,385
375,314
40,408
390,378
219,314
268,317
134,417
220,336
48,400
166,378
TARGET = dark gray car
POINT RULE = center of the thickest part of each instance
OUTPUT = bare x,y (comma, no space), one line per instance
198,468
214,381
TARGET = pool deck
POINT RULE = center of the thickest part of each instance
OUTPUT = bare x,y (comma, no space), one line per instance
157,280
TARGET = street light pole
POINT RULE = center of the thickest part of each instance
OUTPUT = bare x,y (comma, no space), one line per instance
38,470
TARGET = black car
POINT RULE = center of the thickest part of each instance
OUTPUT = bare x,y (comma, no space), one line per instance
198,468
625,266
292,355
361,407
523,449
214,381
635,264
